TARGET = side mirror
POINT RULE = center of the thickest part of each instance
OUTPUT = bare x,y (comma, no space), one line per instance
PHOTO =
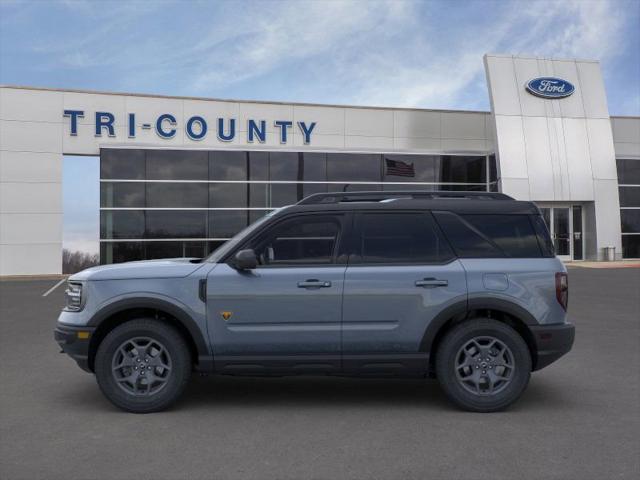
245,260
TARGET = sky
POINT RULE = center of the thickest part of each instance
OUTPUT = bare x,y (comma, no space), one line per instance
385,53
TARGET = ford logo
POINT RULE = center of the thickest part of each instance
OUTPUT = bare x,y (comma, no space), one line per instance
550,87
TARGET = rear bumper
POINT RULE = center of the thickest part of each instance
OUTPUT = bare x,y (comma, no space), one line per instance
552,342
73,345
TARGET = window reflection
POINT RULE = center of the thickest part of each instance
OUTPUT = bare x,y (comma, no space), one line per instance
122,224
225,165
228,195
209,192
344,167
176,224
177,195
177,165
118,195
285,166
125,164
226,223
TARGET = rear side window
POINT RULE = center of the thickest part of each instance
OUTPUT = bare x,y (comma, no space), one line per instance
490,236
399,238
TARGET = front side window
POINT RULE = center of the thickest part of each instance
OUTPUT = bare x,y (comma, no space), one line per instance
400,238
306,240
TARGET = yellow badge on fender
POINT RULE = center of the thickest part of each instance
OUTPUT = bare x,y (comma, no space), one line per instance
226,315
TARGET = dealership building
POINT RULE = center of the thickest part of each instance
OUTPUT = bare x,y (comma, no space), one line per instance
179,176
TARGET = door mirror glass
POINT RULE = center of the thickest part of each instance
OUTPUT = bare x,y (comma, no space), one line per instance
245,260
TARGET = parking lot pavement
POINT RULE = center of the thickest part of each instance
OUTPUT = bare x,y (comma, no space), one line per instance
580,417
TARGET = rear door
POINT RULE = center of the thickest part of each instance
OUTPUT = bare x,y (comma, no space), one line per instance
401,274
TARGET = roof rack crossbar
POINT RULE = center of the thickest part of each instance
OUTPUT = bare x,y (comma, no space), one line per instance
377,196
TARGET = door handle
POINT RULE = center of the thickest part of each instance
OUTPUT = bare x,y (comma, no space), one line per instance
313,283
431,283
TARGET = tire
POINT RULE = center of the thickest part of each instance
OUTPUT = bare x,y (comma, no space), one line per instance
483,382
143,365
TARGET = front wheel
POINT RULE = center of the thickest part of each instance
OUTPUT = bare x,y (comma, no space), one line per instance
143,365
483,365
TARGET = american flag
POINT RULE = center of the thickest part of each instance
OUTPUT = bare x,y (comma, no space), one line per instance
399,168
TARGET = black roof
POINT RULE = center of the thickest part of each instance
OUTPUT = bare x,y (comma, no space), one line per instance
458,202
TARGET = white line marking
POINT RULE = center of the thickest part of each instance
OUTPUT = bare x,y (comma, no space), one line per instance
54,287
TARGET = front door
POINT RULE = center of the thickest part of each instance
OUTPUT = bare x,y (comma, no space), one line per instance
285,314
565,227
562,232
401,274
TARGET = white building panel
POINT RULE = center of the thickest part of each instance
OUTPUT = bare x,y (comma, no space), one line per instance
555,146
30,197
30,167
572,106
368,122
417,124
469,126
511,147
19,136
25,228
359,142
594,93
329,120
626,135
30,105
211,110
31,259
601,149
538,154
503,86
463,146
426,145
607,211
578,159
626,130
516,187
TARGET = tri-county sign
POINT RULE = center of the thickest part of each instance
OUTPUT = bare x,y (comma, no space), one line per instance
196,127
550,87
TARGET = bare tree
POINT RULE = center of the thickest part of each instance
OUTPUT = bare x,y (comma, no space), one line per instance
73,262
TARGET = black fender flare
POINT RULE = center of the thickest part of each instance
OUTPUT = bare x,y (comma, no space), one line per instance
176,311
462,307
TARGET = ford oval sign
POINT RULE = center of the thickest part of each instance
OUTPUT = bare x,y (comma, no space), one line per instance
550,87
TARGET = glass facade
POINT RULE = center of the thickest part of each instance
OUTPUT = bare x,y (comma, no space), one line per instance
629,191
174,203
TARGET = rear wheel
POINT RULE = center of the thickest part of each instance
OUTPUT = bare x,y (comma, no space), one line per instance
483,365
143,365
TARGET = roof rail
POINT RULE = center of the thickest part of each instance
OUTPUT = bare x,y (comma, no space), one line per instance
377,196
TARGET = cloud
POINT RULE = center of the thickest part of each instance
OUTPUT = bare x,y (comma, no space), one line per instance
275,38
392,53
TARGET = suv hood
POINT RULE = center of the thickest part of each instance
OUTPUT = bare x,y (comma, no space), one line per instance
166,268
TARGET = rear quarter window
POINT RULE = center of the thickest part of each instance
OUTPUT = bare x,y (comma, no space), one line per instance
490,236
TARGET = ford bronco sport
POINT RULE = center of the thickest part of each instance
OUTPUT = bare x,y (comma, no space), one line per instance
461,286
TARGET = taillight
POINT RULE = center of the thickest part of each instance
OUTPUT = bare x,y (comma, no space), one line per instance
562,289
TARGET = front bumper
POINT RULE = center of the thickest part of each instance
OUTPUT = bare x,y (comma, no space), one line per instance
552,342
75,341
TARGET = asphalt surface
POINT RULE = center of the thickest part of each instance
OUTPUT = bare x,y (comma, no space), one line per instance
579,419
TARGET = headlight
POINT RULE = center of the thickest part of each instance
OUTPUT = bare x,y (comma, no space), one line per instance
73,295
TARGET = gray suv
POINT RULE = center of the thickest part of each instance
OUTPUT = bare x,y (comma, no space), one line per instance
464,287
